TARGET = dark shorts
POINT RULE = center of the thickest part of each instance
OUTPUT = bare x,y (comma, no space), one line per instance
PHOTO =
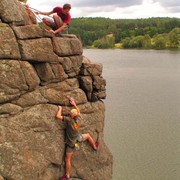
73,148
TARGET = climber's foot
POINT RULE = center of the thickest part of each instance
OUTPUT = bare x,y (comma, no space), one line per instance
64,177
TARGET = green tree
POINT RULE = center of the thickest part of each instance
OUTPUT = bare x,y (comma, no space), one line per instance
139,31
97,43
104,43
124,34
174,38
111,28
101,44
117,36
152,31
146,41
91,29
136,42
131,33
126,42
159,42
110,40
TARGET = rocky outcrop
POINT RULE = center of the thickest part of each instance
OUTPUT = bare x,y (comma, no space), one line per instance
38,72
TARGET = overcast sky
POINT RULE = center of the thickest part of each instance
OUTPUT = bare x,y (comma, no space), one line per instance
114,9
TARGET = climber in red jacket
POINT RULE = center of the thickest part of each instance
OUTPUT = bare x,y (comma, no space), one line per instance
73,137
60,20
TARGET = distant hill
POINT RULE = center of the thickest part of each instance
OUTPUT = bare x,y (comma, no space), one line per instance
92,29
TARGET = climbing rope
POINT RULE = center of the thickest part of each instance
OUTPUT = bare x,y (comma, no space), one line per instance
31,11
29,14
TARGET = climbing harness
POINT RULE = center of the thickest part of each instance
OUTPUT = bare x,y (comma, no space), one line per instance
77,147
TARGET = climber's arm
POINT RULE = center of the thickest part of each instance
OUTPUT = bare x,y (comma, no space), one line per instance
59,29
59,113
74,104
44,13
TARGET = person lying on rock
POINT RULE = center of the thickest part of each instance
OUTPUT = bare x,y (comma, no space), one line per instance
73,136
60,20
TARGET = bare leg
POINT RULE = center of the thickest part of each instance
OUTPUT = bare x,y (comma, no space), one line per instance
45,21
57,21
68,163
90,140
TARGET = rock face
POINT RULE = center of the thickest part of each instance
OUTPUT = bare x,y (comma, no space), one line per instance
39,72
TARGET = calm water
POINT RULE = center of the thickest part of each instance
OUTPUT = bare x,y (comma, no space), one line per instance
142,125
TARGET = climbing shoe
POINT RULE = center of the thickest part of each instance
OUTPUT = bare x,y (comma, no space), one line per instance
64,177
97,145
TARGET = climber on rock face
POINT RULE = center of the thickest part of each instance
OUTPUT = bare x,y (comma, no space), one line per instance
72,135
60,20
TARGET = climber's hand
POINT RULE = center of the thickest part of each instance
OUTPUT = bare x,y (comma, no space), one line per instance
71,100
52,31
59,107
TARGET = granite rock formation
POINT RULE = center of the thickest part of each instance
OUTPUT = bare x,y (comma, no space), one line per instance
39,71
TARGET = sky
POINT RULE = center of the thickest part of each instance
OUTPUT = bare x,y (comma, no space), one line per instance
114,9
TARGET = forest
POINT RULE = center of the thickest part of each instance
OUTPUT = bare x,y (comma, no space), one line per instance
102,33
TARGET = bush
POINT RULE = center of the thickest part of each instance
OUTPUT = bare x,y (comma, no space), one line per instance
105,43
174,38
160,42
126,42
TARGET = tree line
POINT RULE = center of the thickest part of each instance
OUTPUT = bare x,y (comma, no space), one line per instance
158,33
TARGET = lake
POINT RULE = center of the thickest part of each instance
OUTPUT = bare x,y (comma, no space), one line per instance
142,123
